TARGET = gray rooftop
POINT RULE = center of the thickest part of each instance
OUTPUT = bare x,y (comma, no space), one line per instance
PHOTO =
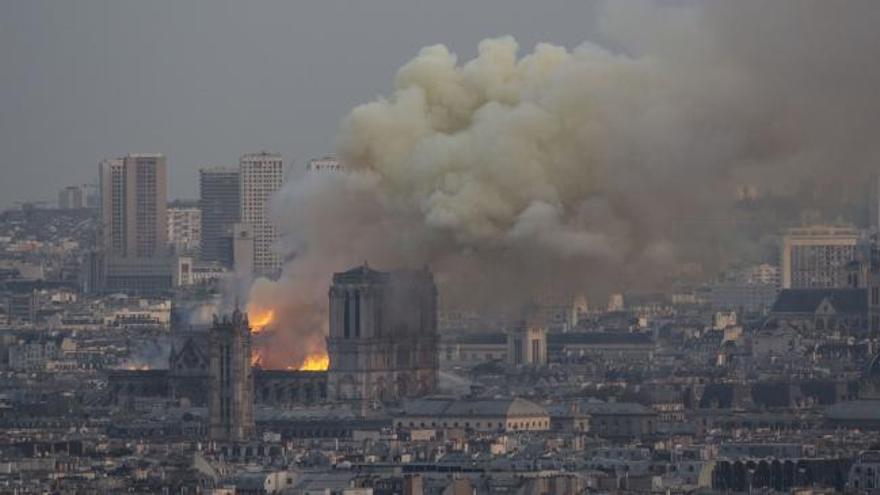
482,407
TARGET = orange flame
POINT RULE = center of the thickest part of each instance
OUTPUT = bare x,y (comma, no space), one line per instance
259,319
315,362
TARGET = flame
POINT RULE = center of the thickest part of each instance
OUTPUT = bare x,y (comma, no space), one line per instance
259,318
315,362
256,358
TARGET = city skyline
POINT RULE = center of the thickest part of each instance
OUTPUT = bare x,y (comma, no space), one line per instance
453,248
198,105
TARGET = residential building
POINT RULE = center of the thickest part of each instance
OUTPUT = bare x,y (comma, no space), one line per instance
261,177
527,346
70,198
220,201
817,256
184,226
619,419
134,206
327,164
133,253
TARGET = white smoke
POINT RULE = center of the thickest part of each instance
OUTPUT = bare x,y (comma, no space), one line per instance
511,176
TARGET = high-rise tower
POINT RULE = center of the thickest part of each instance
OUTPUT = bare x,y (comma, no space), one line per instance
133,206
816,257
261,177
133,254
220,200
383,335
232,382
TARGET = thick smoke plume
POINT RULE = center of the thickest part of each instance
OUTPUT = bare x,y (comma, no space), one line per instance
517,177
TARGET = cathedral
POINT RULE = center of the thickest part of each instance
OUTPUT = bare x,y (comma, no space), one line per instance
231,403
382,345
383,335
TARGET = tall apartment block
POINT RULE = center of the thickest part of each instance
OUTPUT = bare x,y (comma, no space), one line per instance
75,197
71,198
261,177
220,200
133,205
134,232
817,256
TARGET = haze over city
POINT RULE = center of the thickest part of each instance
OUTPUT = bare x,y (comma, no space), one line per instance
208,80
389,247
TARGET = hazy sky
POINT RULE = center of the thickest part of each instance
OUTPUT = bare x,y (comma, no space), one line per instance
205,81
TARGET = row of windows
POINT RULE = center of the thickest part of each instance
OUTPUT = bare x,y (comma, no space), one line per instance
478,424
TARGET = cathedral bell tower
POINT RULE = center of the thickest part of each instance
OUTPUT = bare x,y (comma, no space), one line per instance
232,382
383,335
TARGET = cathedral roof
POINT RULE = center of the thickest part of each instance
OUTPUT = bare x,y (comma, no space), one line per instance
362,273
365,274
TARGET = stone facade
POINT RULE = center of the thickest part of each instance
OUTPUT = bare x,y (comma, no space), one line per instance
232,383
383,335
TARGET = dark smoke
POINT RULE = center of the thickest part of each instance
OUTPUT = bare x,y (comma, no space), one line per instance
595,169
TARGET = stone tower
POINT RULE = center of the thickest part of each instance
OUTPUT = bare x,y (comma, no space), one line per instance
232,383
383,335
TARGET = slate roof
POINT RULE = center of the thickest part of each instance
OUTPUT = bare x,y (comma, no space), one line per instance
614,408
561,339
598,338
720,395
864,410
807,300
511,408
248,481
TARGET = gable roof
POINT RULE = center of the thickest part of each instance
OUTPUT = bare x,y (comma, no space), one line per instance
808,300
191,355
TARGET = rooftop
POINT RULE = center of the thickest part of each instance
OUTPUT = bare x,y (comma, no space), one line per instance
808,300
511,408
